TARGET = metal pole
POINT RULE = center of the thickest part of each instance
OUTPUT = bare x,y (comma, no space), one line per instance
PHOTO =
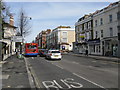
21,29
119,41
118,15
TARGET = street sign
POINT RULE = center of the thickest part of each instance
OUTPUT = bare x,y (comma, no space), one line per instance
17,38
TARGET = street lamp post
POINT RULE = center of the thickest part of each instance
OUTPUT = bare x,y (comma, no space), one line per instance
119,41
21,29
118,16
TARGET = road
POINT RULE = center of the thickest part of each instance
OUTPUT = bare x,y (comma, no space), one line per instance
73,72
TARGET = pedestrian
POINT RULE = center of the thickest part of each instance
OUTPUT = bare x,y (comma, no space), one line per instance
86,52
16,50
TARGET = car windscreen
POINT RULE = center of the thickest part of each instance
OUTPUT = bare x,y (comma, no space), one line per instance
55,52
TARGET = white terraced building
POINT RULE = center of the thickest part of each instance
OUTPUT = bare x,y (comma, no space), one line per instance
98,32
105,23
61,38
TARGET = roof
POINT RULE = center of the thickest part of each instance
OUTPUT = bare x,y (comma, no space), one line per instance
62,27
98,11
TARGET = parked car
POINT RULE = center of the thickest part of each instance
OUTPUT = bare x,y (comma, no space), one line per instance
54,54
42,52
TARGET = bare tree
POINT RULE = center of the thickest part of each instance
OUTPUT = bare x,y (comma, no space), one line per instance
24,27
5,11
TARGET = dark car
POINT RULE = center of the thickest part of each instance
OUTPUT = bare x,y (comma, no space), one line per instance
42,52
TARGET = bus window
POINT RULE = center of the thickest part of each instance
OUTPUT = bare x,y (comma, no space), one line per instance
31,46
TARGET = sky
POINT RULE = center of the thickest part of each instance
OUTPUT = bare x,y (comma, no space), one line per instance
49,15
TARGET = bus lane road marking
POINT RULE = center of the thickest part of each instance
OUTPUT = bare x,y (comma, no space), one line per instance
67,83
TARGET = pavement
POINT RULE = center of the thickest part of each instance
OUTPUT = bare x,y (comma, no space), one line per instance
106,58
14,73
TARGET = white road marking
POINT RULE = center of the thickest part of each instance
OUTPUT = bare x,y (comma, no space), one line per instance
66,84
57,83
49,84
32,57
88,80
32,85
69,82
59,66
38,85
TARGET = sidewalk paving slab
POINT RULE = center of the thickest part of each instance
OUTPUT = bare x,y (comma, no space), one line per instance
14,73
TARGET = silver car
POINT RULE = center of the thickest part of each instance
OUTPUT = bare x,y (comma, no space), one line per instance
54,54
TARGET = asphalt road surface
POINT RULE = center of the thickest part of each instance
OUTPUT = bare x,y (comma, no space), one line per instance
73,72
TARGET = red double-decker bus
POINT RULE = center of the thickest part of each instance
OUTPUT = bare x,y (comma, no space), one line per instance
31,49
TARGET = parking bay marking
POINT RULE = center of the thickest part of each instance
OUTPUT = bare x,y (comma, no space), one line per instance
69,82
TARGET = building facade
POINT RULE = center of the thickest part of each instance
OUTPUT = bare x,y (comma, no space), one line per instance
105,29
41,38
98,32
84,33
9,30
61,38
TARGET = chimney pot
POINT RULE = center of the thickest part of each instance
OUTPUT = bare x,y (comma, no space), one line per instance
11,21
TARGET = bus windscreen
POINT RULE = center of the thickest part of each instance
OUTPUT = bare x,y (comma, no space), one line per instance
31,46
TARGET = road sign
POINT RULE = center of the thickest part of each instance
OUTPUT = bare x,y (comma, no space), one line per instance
17,38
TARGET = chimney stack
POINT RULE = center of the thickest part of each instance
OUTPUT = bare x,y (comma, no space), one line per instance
11,20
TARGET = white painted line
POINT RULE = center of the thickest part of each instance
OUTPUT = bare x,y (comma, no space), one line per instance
35,78
59,66
49,84
57,83
88,80
29,74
